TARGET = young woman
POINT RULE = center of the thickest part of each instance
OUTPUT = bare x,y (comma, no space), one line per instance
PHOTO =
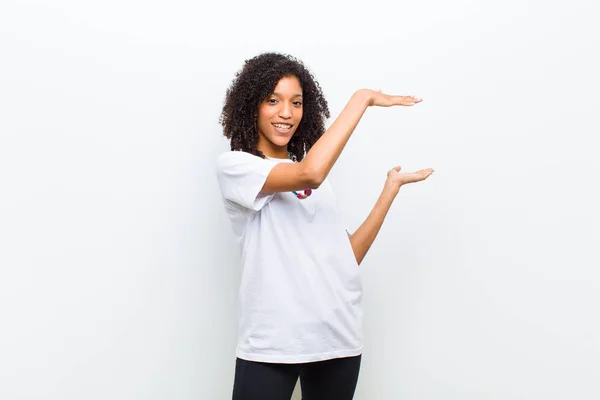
300,293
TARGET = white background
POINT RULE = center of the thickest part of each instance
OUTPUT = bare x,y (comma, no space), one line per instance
118,274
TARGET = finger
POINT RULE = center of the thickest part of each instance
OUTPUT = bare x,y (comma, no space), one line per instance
406,102
409,100
426,173
421,175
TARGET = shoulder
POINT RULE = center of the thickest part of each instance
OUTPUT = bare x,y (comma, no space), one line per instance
235,159
232,157
239,165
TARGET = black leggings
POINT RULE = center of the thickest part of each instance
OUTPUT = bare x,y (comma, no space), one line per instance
320,380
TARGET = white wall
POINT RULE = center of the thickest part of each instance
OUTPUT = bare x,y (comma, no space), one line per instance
117,275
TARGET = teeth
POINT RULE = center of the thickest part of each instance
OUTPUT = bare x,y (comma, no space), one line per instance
282,126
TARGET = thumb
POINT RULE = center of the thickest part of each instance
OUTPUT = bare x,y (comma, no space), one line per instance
398,168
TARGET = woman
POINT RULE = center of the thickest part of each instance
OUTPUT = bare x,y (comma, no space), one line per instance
300,293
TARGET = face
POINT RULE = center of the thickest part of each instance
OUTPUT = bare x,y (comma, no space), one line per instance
278,117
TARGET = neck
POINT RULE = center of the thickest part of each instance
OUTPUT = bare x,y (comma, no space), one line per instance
281,155
272,151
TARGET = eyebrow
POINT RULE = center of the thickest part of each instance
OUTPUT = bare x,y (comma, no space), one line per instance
296,95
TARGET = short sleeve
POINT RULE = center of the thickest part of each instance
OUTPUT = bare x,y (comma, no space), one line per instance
241,177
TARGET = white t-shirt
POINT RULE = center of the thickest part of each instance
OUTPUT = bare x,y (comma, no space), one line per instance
300,292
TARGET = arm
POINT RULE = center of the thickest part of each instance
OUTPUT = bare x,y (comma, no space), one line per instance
314,168
365,235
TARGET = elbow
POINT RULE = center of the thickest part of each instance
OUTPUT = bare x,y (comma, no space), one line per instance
313,178
314,183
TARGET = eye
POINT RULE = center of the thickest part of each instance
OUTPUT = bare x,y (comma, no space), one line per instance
297,103
272,101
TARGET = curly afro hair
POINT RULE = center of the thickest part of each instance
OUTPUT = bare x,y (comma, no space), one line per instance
253,84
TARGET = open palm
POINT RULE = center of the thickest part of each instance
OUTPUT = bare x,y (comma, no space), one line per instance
377,98
398,178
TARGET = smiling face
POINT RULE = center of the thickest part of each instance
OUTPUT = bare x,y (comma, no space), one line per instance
278,117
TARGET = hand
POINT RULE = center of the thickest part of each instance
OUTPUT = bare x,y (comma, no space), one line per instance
376,98
396,179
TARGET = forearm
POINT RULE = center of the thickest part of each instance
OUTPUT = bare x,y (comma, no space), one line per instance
362,239
324,153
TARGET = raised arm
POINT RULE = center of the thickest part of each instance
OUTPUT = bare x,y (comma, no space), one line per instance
365,235
314,168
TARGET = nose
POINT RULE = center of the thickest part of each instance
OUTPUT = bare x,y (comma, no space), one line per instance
285,111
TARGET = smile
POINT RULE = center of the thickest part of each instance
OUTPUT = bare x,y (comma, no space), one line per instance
282,128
